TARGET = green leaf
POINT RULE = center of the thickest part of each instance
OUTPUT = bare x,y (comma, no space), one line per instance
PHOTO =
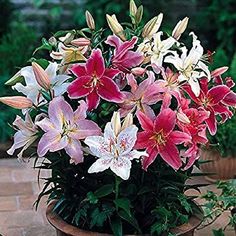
92,198
130,219
45,46
124,204
104,191
116,226
218,232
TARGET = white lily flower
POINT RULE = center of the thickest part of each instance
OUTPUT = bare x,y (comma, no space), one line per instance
114,151
32,88
160,48
189,65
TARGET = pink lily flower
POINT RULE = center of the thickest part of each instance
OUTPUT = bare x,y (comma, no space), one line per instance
25,136
211,100
124,59
95,81
64,128
159,137
141,96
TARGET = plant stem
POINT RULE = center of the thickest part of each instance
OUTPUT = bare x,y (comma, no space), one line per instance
117,183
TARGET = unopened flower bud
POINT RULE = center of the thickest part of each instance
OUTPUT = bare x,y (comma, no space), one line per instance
41,76
90,20
180,28
80,42
139,14
115,26
14,79
18,102
53,41
138,71
152,26
132,10
219,71
68,37
128,121
182,117
115,120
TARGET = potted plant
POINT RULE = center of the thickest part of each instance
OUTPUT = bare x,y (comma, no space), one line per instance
119,120
220,157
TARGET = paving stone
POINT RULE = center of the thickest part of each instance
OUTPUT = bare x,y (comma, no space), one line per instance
8,204
25,175
14,189
20,219
5,174
46,230
12,232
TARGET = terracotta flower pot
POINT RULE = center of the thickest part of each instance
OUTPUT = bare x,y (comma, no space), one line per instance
223,168
64,229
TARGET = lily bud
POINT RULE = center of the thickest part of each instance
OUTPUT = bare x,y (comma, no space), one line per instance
180,28
15,79
138,71
68,37
139,15
115,26
152,26
128,121
80,42
90,20
115,120
41,76
182,117
18,102
132,10
219,71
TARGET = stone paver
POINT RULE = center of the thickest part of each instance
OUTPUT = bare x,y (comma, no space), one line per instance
19,189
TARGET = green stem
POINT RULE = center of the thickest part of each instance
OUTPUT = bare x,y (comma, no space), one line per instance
117,183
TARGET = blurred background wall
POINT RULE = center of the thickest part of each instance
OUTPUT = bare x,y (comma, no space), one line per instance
24,22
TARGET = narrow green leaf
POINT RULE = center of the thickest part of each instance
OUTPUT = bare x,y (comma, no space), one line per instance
104,191
116,226
124,204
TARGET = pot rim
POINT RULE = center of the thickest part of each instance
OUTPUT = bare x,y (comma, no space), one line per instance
57,222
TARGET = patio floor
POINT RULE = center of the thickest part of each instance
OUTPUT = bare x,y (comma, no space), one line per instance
18,191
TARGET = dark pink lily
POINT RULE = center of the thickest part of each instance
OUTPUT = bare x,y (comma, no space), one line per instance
124,59
159,137
211,100
95,81
196,128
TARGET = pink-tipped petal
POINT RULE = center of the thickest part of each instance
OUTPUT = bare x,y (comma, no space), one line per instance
109,91
95,64
165,121
170,155
93,100
78,70
230,99
80,87
111,73
145,121
144,140
178,137
152,155
211,123
217,93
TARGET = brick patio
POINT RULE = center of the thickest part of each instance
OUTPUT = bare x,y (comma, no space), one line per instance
18,191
